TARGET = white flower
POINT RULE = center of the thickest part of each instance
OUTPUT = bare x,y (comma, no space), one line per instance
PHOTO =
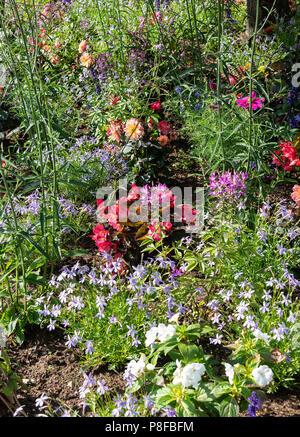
39,402
262,375
18,410
190,375
175,318
229,372
161,333
136,368
177,374
261,335
150,366
165,332
151,336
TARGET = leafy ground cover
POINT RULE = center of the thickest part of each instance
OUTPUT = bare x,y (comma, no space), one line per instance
149,209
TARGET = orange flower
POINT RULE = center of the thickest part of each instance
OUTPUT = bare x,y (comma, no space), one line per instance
163,140
133,129
296,194
82,46
86,60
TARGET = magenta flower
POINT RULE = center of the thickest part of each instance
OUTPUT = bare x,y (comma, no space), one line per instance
245,102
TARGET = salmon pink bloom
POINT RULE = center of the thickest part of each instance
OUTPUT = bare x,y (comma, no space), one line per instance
167,226
114,100
133,129
115,130
289,157
163,140
188,214
155,231
296,194
134,194
233,80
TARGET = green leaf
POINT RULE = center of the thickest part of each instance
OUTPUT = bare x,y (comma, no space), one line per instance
39,262
36,278
191,266
204,394
221,389
31,240
189,352
164,396
11,326
245,392
77,252
189,408
229,408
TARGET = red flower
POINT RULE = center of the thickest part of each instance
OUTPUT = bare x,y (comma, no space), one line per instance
164,127
156,106
233,80
289,158
167,226
114,100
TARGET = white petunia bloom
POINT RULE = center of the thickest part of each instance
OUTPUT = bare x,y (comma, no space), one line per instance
190,375
262,375
261,335
161,333
178,374
151,336
165,332
136,368
229,372
175,318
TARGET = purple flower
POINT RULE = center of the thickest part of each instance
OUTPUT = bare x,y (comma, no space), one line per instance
216,340
89,348
169,412
51,325
39,402
255,404
101,387
228,185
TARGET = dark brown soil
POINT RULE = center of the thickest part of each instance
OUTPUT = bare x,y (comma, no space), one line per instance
47,366
284,403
